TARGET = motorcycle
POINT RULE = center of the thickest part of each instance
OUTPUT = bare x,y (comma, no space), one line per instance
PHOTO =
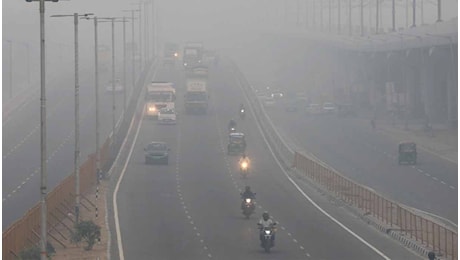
248,207
268,237
242,113
244,169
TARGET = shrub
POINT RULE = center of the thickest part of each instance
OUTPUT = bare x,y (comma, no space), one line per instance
87,231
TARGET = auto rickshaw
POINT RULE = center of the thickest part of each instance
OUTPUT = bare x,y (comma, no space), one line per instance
407,153
236,144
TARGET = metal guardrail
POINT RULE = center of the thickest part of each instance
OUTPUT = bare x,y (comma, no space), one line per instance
401,220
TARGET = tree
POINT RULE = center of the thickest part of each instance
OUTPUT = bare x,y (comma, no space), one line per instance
87,231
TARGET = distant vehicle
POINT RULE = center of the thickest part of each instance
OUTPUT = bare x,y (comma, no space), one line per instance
313,109
159,94
328,108
277,95
196,96
407,153
167,116
156,153
117,87
171,54
236,144
193,54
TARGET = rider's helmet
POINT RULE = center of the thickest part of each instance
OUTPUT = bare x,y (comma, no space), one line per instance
265,216
247,188
244,156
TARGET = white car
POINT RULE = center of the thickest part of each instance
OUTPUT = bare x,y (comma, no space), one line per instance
328,108
167,116
117,88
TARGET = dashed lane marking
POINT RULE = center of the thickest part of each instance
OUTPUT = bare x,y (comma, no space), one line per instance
452,187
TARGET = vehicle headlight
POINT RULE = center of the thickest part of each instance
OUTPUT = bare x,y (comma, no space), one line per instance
242,110
267,232
244,165
152,109
248,200
176,54
185,63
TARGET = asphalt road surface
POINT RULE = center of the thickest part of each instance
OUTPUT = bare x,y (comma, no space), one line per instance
190,209
369,157
21,139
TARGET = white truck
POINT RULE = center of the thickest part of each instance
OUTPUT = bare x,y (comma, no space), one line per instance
157,96
196,96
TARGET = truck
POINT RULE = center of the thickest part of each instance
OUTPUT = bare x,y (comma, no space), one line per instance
193,54
196,96
170,54
159,95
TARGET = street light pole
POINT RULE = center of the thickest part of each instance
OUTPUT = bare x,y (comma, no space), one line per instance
140,34
124,66
393,15
439,12
43,180
133,66
10,61
77,116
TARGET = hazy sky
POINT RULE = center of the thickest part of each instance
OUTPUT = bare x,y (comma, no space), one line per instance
218,23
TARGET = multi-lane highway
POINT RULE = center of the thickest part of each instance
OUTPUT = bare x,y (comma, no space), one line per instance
370,157
21,139
190,209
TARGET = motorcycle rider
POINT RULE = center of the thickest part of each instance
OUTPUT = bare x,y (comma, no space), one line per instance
264,222
242,111
244,158
247,194
231,124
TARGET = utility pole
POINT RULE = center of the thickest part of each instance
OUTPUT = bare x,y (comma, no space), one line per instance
338,16
349,18
439,12
413,13
377,17
393,15
362,19
10,62
133,63
140,34
330,17
77,116
43,179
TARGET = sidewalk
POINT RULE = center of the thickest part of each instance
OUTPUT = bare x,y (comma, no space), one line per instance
441,142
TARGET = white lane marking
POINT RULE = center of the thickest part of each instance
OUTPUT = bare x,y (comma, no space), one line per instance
306,196
427,175
434,178
443,182
420,170
452,187
209,255
289,234
302,248
117,187
295,240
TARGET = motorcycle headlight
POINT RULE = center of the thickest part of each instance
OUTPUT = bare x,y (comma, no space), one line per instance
248,200
152,109
244,165
242,110
267,231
